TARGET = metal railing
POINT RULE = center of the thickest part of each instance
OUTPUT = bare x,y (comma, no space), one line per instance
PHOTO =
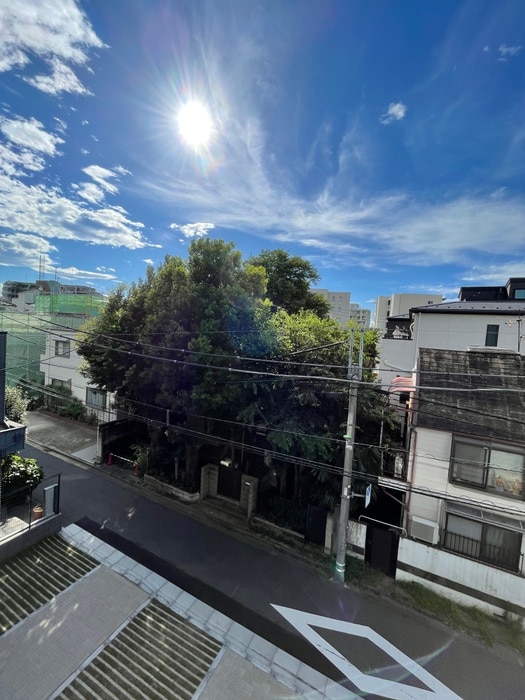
482,551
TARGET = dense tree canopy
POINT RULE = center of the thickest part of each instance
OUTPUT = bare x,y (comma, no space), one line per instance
214,350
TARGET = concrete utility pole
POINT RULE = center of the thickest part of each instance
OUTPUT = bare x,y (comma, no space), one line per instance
354,375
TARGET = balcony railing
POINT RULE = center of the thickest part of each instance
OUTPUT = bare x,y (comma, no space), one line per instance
508,559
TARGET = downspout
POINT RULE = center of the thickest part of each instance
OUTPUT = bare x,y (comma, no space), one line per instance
410,480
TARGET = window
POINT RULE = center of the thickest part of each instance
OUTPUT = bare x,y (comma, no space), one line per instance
483,541
491,336
61,383
95,397
62,348
519,294
483,465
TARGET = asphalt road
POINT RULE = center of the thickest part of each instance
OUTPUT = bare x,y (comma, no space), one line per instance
244,581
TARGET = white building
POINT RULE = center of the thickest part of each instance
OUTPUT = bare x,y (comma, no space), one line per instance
398,304
465,482
483,317
339,303
362,316
60,365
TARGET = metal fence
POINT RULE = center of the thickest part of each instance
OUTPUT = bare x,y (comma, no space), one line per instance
26,507
482,551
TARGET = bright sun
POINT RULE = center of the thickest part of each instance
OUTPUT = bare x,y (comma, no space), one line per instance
194,124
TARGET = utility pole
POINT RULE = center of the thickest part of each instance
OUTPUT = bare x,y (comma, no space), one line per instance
354,376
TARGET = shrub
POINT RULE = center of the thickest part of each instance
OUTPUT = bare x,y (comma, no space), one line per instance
16,402
19,473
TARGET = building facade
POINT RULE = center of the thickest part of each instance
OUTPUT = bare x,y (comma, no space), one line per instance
398,304
482,317
465,481
339,303
361,316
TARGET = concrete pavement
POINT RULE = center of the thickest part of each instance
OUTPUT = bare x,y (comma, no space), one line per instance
243,581
58,650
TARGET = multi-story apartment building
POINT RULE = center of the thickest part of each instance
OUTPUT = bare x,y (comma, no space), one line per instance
397,304
361,316
464,490
339,304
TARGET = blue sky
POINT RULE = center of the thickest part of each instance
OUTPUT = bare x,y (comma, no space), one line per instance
383,141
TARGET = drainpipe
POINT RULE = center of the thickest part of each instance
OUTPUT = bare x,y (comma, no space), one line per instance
412,471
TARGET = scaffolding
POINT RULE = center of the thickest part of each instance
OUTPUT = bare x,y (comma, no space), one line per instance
27,330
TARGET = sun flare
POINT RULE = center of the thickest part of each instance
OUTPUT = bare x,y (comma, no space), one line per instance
195,124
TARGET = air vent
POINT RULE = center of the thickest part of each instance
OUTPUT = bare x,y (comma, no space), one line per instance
424,530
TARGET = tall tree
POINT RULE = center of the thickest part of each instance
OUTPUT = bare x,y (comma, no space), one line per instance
289,278
164,343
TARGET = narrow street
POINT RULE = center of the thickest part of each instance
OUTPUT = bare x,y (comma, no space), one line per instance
245,581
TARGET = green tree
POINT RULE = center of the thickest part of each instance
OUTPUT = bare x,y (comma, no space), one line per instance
164,344
289,278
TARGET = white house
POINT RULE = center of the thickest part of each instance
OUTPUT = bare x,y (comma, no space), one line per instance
60,365
465,482
482,317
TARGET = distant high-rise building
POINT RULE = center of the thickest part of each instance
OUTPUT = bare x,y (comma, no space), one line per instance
339,304
362,316
398,304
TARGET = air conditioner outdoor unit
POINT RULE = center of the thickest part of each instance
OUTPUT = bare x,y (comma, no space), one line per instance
424,530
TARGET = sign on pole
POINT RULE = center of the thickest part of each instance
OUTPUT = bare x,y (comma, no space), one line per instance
368,495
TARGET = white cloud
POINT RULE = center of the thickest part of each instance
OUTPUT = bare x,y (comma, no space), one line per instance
84,274
486,49
61,79
496,274
148,261
29,133
25,250
191,230
101,176
508,51
37,209
55,31
18,162
90,192
396,112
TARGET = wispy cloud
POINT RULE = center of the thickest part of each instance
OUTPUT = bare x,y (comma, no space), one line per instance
495,274
101,176
191,230
508,51
55,31
30,133
84,274
395,113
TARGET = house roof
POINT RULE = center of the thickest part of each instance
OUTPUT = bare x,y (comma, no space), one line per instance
511,308
475,392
